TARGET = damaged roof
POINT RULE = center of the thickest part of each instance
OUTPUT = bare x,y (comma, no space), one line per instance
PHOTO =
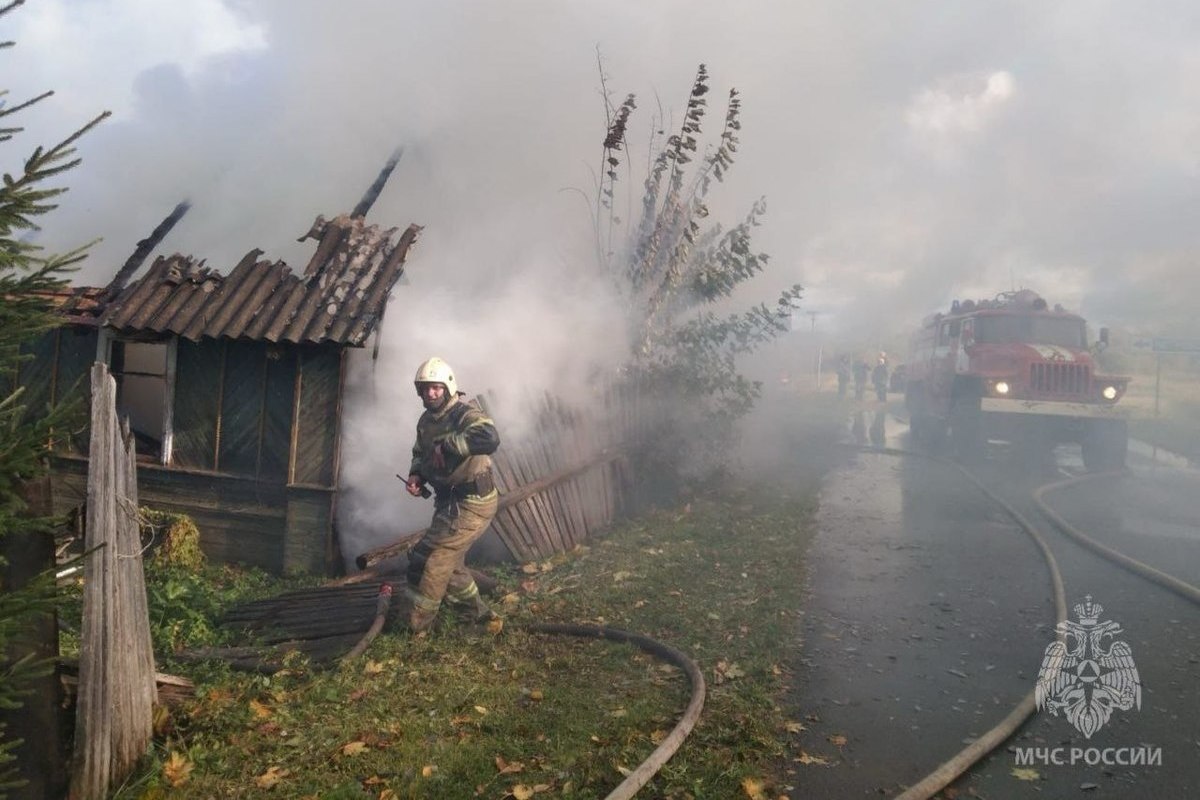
340,298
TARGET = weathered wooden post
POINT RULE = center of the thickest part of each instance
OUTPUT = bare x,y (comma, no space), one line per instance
114,707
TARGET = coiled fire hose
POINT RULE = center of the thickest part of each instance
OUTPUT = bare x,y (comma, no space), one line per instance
635,780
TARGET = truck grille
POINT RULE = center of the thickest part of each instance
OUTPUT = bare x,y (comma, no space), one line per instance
1060,378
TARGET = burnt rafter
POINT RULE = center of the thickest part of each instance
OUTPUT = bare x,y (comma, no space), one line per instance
372,194
144,248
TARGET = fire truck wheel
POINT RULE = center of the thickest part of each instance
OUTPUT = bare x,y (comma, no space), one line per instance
1106,446
966,431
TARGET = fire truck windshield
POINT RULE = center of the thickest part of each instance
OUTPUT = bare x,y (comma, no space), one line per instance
1004,328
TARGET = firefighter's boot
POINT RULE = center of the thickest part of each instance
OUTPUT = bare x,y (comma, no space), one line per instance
470,605
423,612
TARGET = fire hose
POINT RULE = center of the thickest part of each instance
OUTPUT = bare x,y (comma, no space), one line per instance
640,776
955,766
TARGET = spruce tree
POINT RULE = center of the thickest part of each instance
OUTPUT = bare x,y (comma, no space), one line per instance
28,276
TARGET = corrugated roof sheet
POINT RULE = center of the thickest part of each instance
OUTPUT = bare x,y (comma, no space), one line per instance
81,305
340,298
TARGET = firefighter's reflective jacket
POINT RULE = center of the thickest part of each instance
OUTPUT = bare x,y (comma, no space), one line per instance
467,436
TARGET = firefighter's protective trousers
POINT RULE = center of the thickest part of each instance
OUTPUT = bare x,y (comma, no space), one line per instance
437,564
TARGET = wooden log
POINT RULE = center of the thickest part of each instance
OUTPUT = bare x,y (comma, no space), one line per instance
399,547
170,690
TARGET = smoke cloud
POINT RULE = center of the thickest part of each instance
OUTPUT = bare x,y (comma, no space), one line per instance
909,154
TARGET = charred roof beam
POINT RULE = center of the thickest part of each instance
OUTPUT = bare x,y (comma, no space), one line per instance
372,193
143,250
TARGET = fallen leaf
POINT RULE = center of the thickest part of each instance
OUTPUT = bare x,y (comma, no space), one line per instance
177,769
495,626
260,710
754,788
805,758
521,792
536,694
837,740
794,727
353,748
621,575
358,694
480,710
1025,774
510,599
506,767
657,737
161,722
272,776
372,668
388,794
529,569
727,671
626,771
428,770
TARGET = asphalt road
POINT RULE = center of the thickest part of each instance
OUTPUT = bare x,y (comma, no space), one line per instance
930,610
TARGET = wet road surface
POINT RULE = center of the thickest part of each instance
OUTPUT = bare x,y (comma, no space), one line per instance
930,611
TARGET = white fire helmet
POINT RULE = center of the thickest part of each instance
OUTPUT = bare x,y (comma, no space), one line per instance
435,370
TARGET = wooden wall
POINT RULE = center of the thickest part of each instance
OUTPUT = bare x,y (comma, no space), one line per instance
254,461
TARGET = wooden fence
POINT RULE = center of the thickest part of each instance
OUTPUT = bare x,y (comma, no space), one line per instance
558,485
114,706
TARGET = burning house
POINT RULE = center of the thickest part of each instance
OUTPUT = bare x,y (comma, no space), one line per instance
233,384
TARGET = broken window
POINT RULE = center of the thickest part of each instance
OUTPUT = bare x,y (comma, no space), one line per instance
143,372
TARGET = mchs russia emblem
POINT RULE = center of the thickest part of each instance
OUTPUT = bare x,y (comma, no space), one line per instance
1086,674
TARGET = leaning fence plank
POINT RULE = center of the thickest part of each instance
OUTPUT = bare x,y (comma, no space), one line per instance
541,466
565,442
569,427
521,517
116,673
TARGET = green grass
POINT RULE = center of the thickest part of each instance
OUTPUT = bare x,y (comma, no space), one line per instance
461,713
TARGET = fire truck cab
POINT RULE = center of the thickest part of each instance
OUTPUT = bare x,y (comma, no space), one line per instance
1013,369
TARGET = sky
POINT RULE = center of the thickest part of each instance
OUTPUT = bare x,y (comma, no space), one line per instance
909,153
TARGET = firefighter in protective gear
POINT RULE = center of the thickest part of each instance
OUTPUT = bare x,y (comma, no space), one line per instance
451,454
879,377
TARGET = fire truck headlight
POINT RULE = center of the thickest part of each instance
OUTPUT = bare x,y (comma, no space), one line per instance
1001,387
1109,392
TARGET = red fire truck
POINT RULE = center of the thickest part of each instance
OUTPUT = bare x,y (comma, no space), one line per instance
1013,369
